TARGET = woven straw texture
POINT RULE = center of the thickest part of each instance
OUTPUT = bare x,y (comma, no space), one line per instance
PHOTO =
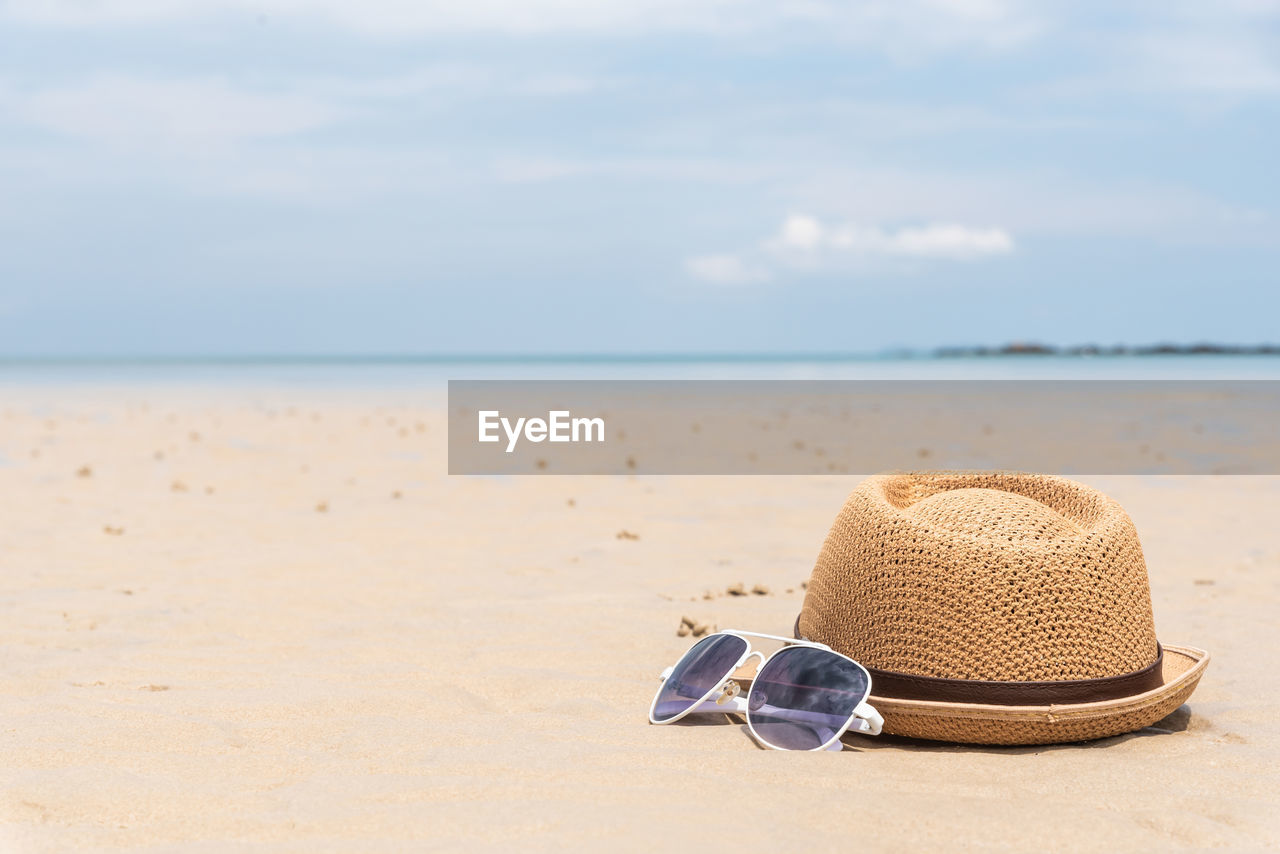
990,576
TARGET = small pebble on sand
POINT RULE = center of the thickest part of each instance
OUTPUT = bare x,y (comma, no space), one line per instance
322,507
683,631
760,590
627,535
84,471
736,590
178,486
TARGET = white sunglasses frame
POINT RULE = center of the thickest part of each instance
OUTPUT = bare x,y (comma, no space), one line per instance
869,721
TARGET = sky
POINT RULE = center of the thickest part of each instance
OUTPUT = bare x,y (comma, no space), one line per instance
276,177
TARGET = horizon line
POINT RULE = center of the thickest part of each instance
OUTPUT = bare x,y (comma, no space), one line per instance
1013,350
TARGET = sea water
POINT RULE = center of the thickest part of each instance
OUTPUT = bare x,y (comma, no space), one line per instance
431,372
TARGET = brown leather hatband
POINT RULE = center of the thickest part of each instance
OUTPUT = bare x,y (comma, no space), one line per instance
903,686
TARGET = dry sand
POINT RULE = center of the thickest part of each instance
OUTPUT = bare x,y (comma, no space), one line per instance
221,628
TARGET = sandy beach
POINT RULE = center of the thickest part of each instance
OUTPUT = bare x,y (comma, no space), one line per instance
268,620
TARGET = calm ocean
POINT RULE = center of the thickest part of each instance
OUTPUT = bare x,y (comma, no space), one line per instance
432,371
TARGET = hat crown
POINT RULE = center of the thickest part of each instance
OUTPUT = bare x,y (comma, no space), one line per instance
979,512
1002,577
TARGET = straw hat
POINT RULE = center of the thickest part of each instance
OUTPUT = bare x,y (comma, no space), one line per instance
996,608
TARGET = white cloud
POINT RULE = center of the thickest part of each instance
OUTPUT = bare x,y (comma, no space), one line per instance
556,85
134,112
800,232
1177,48
446,79
937,241
805,243
182,112
725,270
1040,202
1205,63
805,235
900,27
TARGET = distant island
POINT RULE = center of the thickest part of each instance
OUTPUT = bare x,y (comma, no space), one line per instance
1032,349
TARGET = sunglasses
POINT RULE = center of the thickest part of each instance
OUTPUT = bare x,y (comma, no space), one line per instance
803,697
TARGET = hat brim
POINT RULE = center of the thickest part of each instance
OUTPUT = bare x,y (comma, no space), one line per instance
986,724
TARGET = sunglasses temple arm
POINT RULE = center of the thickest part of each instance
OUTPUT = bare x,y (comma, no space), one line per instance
867,720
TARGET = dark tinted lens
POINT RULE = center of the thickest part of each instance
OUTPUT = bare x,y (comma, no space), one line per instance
803,696
703,667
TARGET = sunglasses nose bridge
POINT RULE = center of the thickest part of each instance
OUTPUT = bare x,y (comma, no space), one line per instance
756,654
